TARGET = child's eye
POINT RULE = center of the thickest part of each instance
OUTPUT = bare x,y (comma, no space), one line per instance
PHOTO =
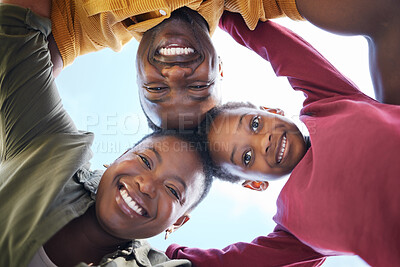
255,122
173,191
145,161
246,157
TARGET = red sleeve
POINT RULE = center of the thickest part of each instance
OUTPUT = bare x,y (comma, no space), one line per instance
277,249
291,56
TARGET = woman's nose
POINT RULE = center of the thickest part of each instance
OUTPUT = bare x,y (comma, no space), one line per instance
147,186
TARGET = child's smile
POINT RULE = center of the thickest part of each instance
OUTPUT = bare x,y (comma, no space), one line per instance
250,142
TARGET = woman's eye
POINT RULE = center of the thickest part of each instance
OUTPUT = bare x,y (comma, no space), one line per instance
247,158
145,161
255,122
173,191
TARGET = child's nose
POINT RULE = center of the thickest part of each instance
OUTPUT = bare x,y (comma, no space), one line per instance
265,143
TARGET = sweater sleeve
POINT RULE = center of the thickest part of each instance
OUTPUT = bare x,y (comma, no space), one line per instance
277,249
291,56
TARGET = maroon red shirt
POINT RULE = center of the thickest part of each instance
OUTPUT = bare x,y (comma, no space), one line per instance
343,197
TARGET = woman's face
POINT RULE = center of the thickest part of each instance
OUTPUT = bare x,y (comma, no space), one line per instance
255,144
149,188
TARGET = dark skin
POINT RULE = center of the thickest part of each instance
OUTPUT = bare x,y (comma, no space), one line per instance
139,196
377,21
176,89
81,234
255,143
164,196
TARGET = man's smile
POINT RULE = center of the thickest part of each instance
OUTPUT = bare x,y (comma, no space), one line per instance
176,50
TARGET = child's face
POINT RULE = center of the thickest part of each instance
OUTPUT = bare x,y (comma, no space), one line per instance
255,144
149,188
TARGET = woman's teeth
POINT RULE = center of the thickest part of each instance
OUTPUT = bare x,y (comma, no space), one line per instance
280,155
176,51
131,203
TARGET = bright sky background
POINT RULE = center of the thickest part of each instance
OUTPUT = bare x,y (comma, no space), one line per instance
99,91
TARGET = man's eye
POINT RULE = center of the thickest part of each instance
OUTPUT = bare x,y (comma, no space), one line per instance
145,161
198,87
247,158
156,89
255,122
173,191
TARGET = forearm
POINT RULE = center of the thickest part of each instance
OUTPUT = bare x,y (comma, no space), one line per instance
55,56
379,21
306,69
384,58
277,249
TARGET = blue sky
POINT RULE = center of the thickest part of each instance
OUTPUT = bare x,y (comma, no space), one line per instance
99,91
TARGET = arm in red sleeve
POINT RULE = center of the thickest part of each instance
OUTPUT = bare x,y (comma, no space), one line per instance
306,69
277,249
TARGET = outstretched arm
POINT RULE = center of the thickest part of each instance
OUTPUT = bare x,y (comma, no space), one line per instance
290,56
42,8
379,22
277,249
29,101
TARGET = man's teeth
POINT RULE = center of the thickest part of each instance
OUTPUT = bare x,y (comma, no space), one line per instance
130,202
280,156
176,51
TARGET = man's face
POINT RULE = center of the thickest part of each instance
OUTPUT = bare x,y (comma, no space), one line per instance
149,188
255,144
178,71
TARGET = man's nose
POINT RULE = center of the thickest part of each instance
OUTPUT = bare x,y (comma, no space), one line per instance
176,73
147,186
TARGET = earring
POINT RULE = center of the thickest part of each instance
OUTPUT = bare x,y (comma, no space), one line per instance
277,111
106,165
221,71
168,232
255,185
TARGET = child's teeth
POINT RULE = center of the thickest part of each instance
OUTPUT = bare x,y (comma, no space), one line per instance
280,156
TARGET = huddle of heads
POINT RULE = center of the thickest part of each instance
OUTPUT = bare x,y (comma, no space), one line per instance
160,180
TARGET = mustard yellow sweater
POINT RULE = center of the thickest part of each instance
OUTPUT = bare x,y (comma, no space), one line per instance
83,26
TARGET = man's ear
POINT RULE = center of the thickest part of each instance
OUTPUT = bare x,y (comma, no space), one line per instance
277,111
181,221
255,185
